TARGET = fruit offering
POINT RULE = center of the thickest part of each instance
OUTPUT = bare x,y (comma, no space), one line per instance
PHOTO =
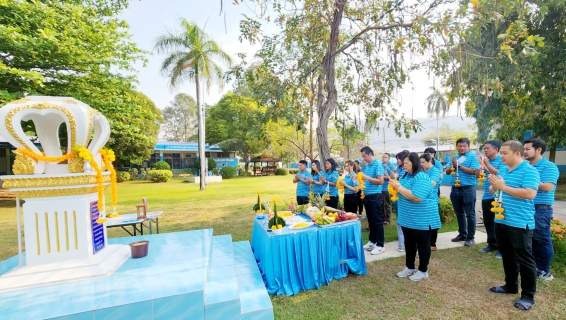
301,225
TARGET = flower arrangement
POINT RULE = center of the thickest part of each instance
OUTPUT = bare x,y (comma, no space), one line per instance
497,204
557,230
482,178
394,193
108,157
339,184
259,207
41,157
275,222
446,210
362,184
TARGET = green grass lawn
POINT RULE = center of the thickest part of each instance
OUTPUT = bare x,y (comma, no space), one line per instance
560,192
457,288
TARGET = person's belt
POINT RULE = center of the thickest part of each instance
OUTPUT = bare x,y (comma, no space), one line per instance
542,206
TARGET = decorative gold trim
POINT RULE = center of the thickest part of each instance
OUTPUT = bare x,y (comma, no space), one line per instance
57,232
40,106
23,164
47,232
71,101
55,192
90,126
37,234
66,231
20,101
10,183
76,164
75,226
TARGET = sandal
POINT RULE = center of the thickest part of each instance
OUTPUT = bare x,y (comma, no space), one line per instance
501,290
523,305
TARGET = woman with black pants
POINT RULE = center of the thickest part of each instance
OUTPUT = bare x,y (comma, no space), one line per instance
417,215
428,164
350,184
330,177
359,194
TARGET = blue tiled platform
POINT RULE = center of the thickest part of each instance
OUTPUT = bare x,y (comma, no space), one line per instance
186,275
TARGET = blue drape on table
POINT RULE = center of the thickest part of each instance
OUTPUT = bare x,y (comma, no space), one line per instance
307,258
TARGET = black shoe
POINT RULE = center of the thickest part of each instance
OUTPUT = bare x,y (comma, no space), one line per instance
487,249
459,238
469,243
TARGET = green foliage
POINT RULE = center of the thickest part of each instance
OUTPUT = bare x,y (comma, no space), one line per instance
281,172
446,211
562,179
276,222
210,162
245,174
161,165
122,176
177,172
228,172
180,118
293,171
160,175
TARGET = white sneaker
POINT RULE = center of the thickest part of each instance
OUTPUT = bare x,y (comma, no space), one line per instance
369,246
401,249
406,272
419,276
377,250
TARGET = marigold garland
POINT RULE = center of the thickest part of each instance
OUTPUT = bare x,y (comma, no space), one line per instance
362,186
41,157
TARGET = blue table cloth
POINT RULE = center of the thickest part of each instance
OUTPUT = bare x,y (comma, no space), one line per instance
305,259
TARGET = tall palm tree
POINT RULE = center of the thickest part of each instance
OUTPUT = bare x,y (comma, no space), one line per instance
192,55
435,104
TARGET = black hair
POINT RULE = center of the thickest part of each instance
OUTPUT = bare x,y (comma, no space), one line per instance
463,140
430,150
494,143
402,155
427,157
317,165
386,153
332,163
367,150
304,162
537,143
415,161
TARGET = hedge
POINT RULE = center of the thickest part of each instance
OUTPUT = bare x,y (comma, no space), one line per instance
281,172
228,172
160,175
161,165
122,176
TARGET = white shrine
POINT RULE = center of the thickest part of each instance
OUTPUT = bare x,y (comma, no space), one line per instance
64,232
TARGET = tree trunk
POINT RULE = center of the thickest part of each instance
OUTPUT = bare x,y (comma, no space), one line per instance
247,158
326,107
310,130
552,155
201,135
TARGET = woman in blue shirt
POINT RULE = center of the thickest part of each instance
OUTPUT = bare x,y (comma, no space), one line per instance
429,166
417,215
350,184
330,177
318,187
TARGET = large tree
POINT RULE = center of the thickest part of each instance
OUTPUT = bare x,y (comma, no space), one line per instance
80,49
180,118
192,57
235,123
373,43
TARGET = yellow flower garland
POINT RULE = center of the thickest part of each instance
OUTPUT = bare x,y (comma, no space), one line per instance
41,157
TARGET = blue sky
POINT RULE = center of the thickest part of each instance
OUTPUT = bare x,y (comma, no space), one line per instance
150,18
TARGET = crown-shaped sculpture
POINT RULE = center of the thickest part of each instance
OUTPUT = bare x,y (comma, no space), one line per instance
86,127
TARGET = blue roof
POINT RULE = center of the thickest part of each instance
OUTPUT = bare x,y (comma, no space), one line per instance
184,146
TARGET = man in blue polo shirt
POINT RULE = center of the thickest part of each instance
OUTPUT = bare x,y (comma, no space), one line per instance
372,174
517,186
463,194
303,179
491,164
548,172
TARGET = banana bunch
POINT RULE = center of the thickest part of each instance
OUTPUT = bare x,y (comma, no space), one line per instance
321,219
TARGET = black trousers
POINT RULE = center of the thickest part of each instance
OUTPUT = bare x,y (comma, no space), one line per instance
515,246
489,222
333,202
417,241
372,203
302,200
351,202
360,203
386,206
434,232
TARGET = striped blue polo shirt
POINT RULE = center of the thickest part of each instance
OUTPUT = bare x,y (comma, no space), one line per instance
497,164
303,189
373,170
548,172
318,189
351,180
519,213
400,172
331,177
418,215
438,165
434,175
468,160
389,169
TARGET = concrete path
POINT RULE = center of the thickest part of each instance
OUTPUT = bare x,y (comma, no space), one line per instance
442,242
